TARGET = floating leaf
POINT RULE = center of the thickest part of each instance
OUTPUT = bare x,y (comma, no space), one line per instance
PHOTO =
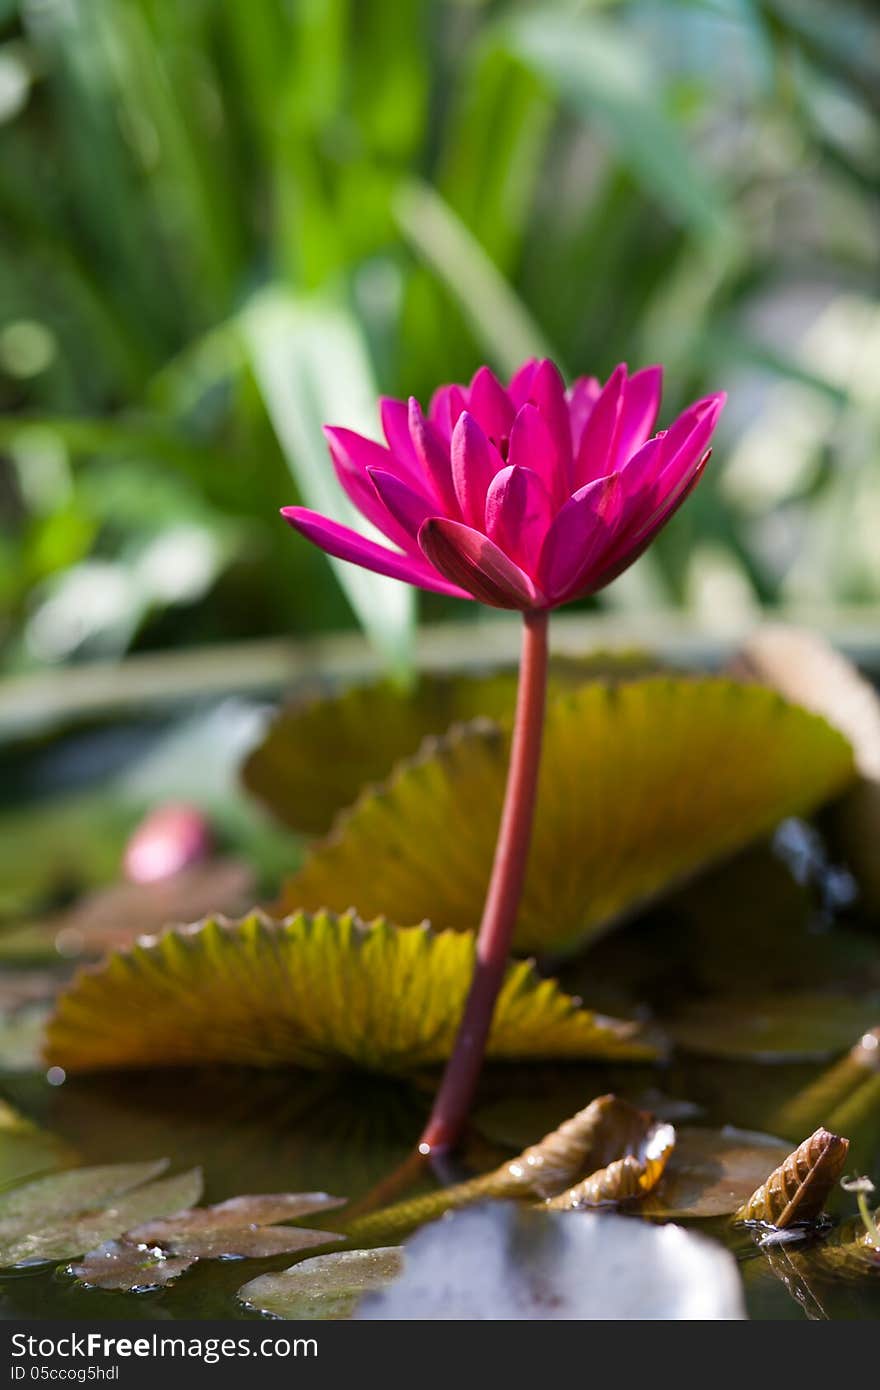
502,1261
62,1215
325,1286
241,1226
796,1191
316,991
847,1252
775,1027
846,1098
712,1171
319,753
122,1265
641,784
608,1152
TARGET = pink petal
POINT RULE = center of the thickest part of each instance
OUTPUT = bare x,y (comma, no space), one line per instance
532,446
471,561
353,456
446,405
521,381
638,411
579,537
547,392
688,437
346,544
395,427
596,448
518,514
490,404
433,455
474,464
582,396
407,507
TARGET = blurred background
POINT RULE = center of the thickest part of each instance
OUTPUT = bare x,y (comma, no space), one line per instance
223,223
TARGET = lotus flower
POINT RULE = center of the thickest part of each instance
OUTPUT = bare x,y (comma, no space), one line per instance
525,497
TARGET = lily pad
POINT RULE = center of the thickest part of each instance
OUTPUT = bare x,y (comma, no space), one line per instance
241,1226
25,1149
775,1027
326,1286
797,1190
319,753
712,1172
641,784
315,991
57,1217
129,1268
500,1261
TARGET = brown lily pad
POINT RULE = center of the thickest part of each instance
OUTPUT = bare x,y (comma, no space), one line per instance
712,1172
129,1268
240,1226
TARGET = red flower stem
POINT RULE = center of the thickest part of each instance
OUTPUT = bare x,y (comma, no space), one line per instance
459,1084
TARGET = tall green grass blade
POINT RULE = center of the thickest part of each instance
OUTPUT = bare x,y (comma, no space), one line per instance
310,362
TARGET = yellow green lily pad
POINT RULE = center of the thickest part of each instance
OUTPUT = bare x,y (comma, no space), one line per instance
315,991
319,753
641,784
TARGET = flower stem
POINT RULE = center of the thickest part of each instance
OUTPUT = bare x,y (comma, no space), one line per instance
459,1083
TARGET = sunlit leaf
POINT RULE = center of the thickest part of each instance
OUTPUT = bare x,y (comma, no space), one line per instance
641,784
503,1261
316,991
326,1286
797,1190
768,1028
64,1214
240,1226
712,1171
318,753
847,1252
846,1098
122,1265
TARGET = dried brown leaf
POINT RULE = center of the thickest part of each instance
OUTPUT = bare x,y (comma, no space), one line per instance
796,1191
122,1265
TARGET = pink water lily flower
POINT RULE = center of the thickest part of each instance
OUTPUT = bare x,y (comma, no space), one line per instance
525,497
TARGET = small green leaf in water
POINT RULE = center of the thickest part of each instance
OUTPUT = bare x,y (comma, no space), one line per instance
315,991
326,1286
641,785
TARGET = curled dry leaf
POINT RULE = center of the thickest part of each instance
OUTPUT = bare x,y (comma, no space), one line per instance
317,992
241,1226
609,1152
796,1191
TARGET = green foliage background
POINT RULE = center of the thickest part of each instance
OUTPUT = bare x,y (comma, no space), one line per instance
222,222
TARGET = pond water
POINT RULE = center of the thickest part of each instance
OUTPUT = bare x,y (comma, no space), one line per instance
254,1131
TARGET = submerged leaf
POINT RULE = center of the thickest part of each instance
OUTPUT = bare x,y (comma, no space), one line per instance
501,1261
773,1027
122,1265
712,1171
847,1252
319,753
26,1150
796,1191
641,784
315,991
62,1215
240,1226
325,1286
